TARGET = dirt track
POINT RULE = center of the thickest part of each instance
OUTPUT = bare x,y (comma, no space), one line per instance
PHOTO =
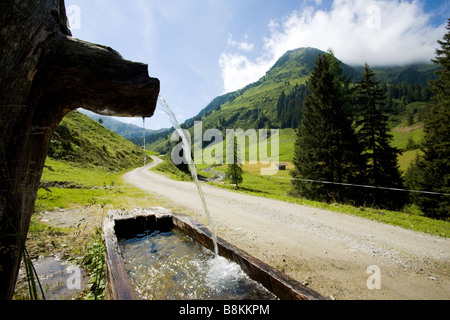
328,251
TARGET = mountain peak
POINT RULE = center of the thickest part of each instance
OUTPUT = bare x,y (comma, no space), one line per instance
303,58
300,63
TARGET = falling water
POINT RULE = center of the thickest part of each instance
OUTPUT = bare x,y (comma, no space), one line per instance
187,151
145,153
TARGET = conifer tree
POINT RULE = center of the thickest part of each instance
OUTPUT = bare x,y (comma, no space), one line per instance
382,169
431,170
234,171
326,148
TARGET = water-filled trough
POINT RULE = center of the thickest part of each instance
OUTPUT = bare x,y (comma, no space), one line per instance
146,230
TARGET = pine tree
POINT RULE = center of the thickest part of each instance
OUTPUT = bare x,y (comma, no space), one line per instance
382,169
441,86
327,148
431,171
234,171
281,104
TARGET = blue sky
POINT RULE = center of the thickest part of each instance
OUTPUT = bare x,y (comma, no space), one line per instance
200,49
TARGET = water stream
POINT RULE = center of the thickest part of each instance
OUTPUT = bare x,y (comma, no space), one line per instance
187,152
145,153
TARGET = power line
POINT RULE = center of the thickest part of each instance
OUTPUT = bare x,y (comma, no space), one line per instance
366,186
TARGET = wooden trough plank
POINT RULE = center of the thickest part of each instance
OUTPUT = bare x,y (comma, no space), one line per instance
120,287
117,283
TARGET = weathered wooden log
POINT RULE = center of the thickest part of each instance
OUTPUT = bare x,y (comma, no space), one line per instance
45,74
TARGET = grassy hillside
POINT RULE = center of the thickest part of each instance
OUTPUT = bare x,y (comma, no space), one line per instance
85,165
408,132
406,138
85,142
255,105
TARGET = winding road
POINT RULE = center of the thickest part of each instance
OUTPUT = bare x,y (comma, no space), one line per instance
332,253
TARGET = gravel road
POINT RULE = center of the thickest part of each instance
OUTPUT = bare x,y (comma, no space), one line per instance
328,251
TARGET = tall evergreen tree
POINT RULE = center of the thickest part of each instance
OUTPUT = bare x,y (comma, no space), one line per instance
382,169
441,86
431,170
327,148
234,171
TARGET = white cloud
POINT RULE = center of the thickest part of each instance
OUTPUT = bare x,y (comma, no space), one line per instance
242,46
377,32
238,70
232,63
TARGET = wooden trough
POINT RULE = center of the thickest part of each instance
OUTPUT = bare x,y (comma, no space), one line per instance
127,224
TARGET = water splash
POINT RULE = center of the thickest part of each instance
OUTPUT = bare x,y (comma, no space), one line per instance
187,151
170,265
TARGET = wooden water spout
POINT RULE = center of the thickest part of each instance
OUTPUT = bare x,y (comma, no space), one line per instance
127,224
45,74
